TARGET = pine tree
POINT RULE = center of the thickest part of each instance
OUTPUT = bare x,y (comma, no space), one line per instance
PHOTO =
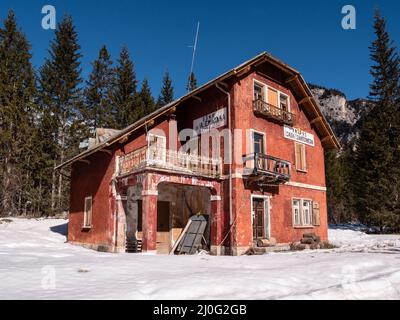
338,170
377,174
17,107
98,102
61,100
125,97
146,98
167,91
192,82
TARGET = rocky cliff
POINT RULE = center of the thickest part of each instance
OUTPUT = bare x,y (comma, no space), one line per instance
344,116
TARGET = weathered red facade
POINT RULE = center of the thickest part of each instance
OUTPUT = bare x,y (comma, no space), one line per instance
142,187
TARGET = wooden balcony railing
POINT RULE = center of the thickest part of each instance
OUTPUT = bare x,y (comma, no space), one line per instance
272,112
268,169
169,160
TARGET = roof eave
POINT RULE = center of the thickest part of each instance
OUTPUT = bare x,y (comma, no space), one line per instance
138,124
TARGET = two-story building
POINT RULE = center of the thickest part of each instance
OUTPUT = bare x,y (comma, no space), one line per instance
245,150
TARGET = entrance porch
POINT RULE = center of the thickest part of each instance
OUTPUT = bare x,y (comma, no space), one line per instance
157,206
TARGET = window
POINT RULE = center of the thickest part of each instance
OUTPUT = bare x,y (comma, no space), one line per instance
302,212
300,155
157,146
284,102
307,212
87,213
296,212
192,146
258,142
258,92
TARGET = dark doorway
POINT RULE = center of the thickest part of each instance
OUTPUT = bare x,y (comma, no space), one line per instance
163,227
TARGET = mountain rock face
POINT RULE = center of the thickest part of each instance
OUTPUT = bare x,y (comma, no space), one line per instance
344,116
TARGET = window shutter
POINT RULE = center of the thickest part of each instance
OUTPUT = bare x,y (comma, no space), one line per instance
316,214
298,156
300,152
87,212
272,97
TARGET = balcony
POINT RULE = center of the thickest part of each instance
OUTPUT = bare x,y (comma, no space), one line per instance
264,170
180,162
272,112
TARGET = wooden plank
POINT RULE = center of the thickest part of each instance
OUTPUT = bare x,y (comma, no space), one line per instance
190,240
316,120
106,151
180,237
292,78
326,138
304,100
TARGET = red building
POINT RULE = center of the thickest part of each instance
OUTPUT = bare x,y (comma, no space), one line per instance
245,150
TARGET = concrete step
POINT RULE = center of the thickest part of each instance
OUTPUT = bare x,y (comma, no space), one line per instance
278,248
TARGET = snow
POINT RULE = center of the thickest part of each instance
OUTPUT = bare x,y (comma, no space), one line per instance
36,263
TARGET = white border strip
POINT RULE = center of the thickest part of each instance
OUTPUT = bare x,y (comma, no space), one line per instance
149,193
215,198
305,185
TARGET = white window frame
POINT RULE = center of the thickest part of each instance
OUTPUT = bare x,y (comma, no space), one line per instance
302,213
249,160
267,213
288,99
309,212
164,145
296,223
187,146
86,225
252,132
264,88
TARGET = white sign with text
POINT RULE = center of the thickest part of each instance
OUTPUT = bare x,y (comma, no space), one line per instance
210,121
298,135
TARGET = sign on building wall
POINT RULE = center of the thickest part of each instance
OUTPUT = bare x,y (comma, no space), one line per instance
298,135
210,121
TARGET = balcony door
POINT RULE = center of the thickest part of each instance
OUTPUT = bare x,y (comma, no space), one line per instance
258,142
157,147
260,218
259,148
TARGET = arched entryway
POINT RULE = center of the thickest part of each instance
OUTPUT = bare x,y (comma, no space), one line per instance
175,205
157,208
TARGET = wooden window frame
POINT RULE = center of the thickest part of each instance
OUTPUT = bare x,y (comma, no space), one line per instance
86,225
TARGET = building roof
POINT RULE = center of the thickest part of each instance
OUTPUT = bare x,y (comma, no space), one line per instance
294,79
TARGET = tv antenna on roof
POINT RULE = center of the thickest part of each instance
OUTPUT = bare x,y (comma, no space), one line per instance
194,46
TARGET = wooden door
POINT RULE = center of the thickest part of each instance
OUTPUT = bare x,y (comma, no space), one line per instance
258,219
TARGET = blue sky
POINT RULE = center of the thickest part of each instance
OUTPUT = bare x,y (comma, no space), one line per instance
305,34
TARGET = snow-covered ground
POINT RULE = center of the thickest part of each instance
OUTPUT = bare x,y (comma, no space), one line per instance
36,263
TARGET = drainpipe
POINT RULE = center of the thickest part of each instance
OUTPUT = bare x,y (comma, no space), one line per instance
231,152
